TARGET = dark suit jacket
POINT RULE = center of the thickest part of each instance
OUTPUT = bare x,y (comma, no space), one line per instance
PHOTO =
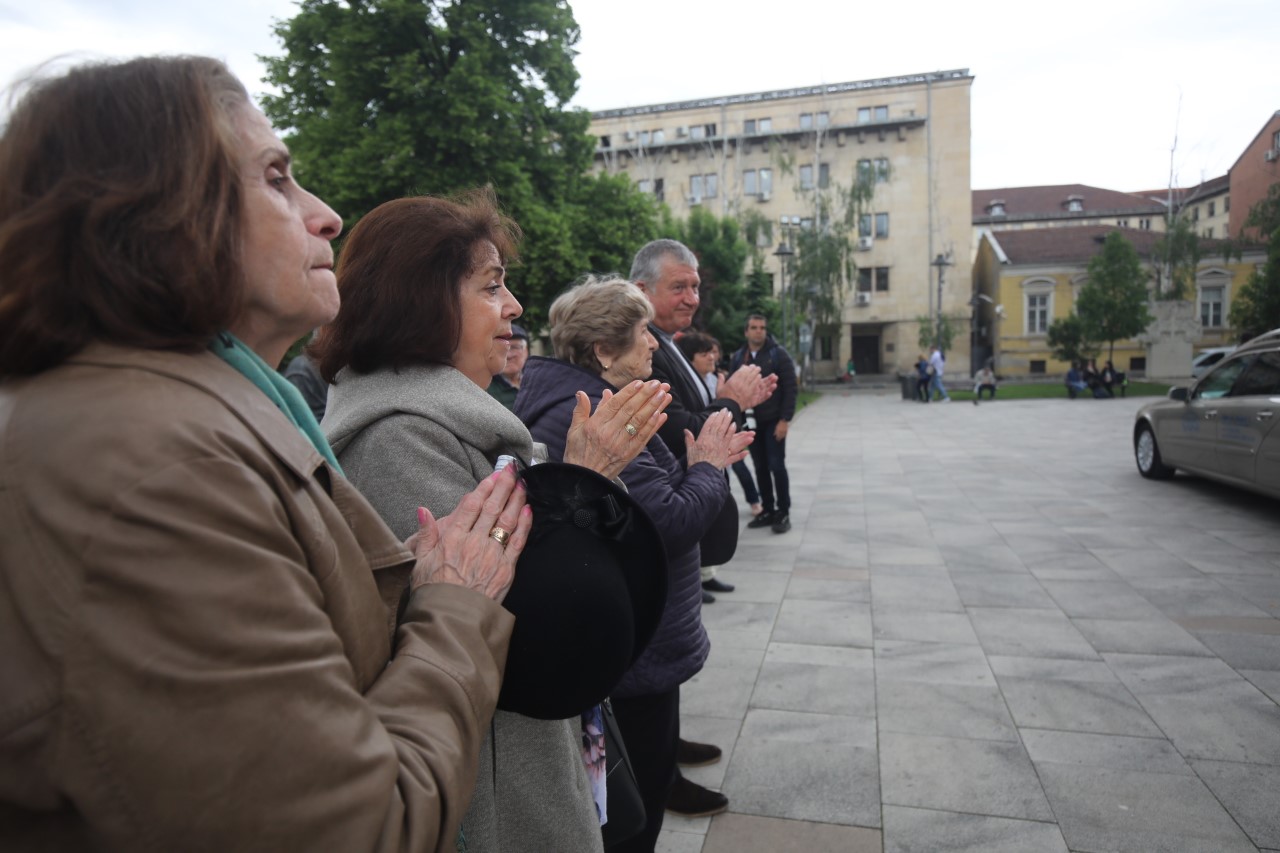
686,410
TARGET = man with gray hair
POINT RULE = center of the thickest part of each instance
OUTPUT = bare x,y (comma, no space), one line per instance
667,272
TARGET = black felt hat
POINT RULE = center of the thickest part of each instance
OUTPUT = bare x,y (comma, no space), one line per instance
589,590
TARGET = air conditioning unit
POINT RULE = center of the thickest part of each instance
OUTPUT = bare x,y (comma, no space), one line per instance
630,136
862,299
765,196
694,200
682,131
865,244
1271,155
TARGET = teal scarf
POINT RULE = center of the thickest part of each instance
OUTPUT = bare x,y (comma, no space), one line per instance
279,390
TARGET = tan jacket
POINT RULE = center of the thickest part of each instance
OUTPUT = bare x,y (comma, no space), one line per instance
195,653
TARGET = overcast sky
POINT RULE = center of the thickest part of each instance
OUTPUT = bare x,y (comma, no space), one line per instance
1084,92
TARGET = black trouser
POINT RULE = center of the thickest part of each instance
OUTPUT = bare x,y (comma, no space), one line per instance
650,727
770,458
990,388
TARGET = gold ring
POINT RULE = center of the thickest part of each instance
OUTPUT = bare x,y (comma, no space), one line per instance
631,430
500,536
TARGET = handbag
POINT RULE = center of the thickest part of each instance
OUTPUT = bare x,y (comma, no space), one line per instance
626,815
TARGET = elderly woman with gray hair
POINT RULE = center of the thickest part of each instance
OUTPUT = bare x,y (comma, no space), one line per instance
599,332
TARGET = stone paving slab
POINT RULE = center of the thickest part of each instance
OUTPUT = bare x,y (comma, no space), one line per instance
976,637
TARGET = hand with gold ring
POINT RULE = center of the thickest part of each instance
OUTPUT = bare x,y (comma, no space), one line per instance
458,549
606,441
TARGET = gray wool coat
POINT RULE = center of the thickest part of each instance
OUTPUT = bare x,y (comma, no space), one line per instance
426,436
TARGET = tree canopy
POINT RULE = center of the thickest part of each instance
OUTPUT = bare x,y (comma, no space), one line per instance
1112,304
1256,306
381,99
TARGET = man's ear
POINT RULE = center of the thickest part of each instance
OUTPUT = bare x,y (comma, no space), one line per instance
643,288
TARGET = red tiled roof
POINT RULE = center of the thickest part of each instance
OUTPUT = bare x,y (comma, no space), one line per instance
1037,202
1067,245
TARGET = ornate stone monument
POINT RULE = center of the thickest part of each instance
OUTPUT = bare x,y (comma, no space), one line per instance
1169,338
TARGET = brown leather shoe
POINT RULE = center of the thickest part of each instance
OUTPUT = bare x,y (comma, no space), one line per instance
692,754
689,799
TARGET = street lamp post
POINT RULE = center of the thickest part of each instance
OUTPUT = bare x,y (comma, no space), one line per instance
941,263
783,253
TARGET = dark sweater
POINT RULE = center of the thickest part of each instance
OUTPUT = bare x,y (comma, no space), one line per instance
681,503
772,359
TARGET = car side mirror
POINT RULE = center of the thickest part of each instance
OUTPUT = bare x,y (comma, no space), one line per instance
1178,394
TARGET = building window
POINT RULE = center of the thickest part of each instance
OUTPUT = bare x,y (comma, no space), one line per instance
1035,365
882,225
995,208
824,120
1138,364
764,125
749,126
864,280
1195,213
1037,313
1144,224
806,121
1213,206
864,115
1208,233
644,137
644,186
1075,204
864,225
882,279
1226,204
605,142
864,171
1211,307
1123,223
806,224
657,189
1275,140
695,189
882,169
882,113
825,348
806,177
749,185
712,184
766,181
824,175
697,132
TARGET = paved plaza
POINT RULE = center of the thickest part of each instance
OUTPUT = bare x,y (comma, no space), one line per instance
987,633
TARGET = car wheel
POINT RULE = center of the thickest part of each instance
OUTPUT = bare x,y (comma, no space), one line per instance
1147,454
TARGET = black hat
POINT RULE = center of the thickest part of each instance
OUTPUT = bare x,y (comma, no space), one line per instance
519,332
589,590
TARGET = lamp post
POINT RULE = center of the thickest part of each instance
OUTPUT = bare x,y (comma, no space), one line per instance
782,253
941,263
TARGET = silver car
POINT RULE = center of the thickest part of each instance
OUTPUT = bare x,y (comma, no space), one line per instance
1223,427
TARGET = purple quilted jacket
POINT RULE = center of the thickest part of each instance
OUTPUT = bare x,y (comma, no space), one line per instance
681,503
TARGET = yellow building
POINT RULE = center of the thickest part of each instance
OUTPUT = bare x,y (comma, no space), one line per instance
774,152
1034,275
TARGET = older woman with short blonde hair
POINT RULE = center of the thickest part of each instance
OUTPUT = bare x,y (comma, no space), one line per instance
599,332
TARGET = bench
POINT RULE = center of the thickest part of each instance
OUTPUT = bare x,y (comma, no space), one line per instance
1121,383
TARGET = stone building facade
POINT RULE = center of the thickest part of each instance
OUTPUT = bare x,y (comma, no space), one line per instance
772,153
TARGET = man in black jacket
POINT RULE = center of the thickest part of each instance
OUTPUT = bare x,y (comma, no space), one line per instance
773,418
667,272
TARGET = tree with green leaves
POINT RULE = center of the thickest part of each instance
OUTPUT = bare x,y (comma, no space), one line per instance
1069,340
937,331
1112,304
1178,251
722,255
382,99
1256,306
